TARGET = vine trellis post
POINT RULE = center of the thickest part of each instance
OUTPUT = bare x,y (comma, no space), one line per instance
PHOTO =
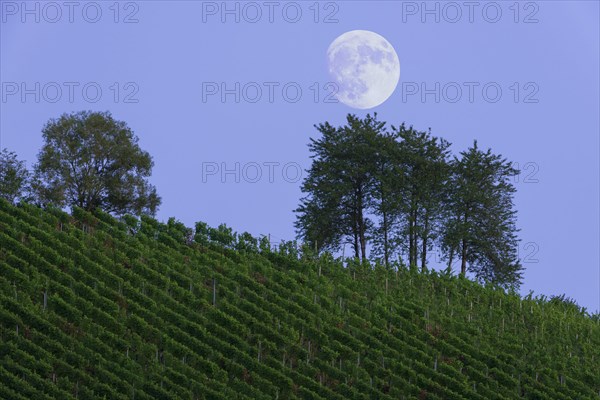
386,285
259,350
214,287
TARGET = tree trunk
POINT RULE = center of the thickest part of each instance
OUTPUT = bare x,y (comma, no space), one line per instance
415,244
362,239
410,240
355,244
386,250
363,246
451,256
361,226
463,263
424,247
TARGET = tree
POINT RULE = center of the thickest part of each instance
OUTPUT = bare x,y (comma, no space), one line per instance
482,221
13,177
400,191
432,177
223,235
389,177
339,185
422,161
319,217
91,160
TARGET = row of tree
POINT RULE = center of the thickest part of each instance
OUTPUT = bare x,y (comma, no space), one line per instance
397,192
88,160
401,194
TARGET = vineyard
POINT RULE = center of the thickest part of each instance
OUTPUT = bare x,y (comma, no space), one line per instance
96,307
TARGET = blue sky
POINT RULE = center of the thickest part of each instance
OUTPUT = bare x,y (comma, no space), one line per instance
153,62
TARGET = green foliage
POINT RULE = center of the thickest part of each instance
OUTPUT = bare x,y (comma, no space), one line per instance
246,242
337,187
398,191
481,223
90,160
288,248
223,236
95,307
14,177
201,233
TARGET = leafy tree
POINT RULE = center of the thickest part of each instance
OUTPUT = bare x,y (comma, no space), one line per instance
423,159
247,242
400,191
338,186
388,178
288,248
201,233
178,231
567,303
91,160
13,177
319,219
264,244
223,235
434,175
481,225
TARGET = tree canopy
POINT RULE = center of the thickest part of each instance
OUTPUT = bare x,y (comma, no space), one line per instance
90,160
399,193
13,176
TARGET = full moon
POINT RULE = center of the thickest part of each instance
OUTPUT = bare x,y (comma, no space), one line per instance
365,67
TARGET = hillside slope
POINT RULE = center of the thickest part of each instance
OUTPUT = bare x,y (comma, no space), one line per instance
91,307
